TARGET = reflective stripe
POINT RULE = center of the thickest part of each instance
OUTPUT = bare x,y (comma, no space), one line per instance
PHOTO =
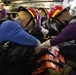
56,12
33,16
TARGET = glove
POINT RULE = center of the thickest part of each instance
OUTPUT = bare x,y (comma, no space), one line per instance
44,31
46,44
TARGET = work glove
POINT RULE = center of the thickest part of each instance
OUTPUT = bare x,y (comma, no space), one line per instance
44,31
45,44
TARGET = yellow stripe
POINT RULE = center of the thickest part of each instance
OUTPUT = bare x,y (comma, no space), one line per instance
33,16
50,19
56,12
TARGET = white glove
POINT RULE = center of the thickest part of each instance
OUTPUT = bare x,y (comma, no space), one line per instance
44,31
45,44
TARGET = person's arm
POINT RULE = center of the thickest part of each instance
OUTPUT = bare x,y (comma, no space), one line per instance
68,34
14,33
3,13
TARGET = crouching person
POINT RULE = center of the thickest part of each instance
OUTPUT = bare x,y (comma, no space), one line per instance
30,23
17,52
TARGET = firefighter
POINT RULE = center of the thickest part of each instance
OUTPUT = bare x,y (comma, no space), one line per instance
44,22
3,13
35,28
66,28
17,44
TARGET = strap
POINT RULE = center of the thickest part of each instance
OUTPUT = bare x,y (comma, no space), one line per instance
28,22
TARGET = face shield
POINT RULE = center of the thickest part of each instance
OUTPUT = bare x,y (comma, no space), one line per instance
44,20
18,20
58,26
27,26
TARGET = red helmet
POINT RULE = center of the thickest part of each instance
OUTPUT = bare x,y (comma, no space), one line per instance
55,11
31,11
33,14
36,17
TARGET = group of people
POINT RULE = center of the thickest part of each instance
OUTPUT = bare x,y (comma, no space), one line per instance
35,30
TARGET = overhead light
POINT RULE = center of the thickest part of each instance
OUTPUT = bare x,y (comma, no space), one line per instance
17,1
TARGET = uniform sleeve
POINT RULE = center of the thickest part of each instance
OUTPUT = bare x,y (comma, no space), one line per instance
16,34
67,34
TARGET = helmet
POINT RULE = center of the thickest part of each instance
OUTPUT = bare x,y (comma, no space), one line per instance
37,18
34,16
44,17
33,13
44,10
55,11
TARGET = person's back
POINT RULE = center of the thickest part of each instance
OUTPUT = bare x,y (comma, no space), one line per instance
12,32
17,56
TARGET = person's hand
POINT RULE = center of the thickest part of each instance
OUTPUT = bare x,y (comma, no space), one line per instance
46,44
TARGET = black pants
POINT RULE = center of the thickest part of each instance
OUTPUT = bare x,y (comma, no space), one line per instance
69,52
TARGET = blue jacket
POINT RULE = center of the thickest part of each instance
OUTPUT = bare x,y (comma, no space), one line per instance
12,32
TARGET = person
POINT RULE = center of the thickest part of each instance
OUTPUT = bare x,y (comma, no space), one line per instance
47,28
9,28
2,10
44,22
44,17
2,13
67,33
33,29
19,46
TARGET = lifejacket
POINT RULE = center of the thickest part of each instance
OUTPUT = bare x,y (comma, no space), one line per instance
49,60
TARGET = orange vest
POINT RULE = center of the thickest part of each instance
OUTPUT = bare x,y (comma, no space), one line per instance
46,62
